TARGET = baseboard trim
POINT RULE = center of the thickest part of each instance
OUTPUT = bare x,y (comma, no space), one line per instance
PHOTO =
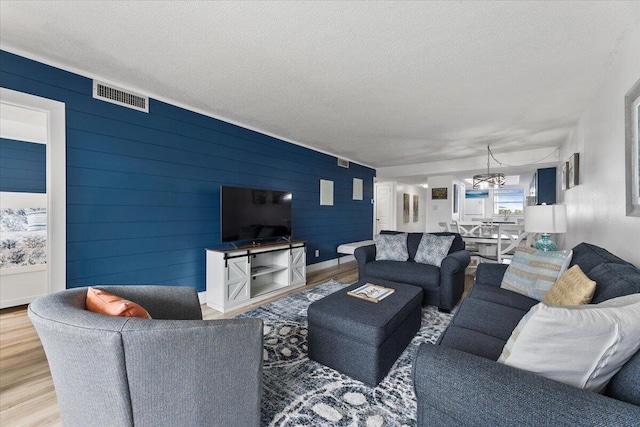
202,296
330,263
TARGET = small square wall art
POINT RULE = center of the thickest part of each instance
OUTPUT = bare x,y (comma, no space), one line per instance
439,193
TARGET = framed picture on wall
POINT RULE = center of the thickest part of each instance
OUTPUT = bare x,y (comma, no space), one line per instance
416,202
405,207
574,170
456,196
632,149
564,175
439,193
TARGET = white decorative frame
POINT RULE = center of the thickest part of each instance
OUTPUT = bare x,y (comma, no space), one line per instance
326,192
632,149
357,188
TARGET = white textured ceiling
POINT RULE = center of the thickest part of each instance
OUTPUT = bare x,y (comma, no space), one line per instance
381,83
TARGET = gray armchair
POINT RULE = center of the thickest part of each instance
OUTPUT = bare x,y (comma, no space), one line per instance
175,369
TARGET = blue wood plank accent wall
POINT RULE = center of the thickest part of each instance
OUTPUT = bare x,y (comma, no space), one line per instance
22,166
143,190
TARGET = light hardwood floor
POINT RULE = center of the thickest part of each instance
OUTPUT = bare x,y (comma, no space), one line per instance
27,397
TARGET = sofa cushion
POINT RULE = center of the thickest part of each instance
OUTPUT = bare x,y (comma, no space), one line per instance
409,272
588,256
487,317
533,272
433,249
391,247
614,280
473,342
572,287
581,345
501,296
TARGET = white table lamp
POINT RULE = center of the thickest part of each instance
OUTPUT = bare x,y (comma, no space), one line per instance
545,219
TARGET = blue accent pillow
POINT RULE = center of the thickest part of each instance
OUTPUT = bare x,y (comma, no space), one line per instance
433,249
391,247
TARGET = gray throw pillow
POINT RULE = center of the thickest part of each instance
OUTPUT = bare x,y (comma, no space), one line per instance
433,249
391,247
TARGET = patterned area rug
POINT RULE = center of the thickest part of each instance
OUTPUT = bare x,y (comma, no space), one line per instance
300,392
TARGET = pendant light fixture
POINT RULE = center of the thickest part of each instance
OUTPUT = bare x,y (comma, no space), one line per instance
489,180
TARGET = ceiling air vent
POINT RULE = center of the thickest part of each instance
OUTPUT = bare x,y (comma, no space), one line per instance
343,163
115,95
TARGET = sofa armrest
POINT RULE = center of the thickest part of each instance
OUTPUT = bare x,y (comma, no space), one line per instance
363,255
194,372
454,388
490,274
452,278
455,262
162,302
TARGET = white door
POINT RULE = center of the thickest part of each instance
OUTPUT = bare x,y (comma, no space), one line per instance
56,187
385,219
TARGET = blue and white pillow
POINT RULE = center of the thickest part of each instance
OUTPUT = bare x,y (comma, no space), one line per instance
433,249
391,247
37,220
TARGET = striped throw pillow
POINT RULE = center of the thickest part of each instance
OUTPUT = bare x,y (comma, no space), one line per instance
36,220
532,272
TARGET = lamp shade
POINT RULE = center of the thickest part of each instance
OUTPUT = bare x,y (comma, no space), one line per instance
545,219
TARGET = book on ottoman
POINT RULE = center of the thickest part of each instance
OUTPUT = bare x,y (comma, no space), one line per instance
371,292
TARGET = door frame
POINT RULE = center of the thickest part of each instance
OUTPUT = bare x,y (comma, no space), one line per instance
392,205
56,181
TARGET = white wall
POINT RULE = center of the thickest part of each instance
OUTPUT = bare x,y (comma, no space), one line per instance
596,207
411,226
439,210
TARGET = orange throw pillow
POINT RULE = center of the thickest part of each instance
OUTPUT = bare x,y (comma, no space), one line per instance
103,302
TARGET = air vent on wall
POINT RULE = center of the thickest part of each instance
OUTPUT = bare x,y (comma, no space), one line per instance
343,163
115,95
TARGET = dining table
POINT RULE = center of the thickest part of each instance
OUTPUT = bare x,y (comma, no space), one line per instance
497,242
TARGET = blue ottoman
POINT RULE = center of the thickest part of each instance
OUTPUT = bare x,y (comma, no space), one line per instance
363,339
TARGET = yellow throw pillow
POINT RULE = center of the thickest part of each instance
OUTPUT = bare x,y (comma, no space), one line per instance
572,288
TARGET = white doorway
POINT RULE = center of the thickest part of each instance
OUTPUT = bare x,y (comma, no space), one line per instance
54,136
385,218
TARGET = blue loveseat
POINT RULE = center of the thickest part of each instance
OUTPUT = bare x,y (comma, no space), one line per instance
457,382
442,286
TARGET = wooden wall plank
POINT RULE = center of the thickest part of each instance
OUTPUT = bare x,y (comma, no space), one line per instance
143,190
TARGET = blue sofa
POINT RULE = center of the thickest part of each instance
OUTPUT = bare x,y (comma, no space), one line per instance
457,381
442,286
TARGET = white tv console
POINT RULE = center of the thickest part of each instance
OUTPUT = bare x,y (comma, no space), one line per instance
241,276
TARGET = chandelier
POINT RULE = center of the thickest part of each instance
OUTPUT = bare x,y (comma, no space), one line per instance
488,180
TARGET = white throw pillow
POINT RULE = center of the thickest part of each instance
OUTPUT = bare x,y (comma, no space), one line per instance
582,345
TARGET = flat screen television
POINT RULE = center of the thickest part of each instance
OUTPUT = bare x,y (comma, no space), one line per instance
254,214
